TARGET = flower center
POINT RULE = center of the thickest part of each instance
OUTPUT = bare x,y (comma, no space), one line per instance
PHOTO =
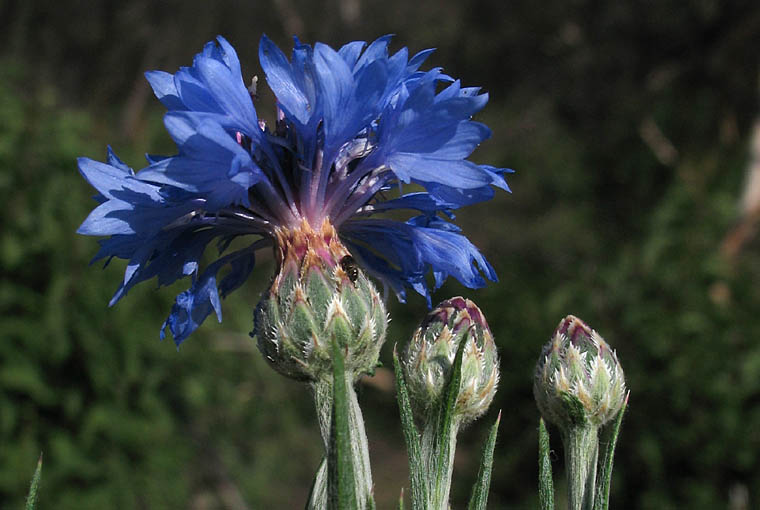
306,246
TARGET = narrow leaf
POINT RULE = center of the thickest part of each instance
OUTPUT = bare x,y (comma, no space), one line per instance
602,499
401,500
545,482
341,483
31,499
446,430
479,496
412,438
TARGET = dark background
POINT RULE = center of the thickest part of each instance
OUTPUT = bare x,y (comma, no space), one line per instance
630,127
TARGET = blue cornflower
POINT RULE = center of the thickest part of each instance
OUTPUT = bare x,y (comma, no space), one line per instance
351,125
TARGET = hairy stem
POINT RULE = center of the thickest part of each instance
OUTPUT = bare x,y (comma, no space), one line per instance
581,453
322,391
439,469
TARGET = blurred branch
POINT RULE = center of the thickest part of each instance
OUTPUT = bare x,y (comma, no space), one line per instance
292,23
140,92
349,11
662,148
750,203
745,228
134,107
738,497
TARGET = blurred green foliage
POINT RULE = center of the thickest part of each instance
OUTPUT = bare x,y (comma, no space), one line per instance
629,126
124,420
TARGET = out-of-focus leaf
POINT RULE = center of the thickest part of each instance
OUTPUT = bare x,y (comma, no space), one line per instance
31,499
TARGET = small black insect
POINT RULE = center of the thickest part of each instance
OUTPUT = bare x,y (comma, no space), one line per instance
348,264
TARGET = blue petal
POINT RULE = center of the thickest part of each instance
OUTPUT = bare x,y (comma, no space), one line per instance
155,158
107,178
406,251
460,196
161,237
382,269
421,201
337,89
498,176
193,93
210,163
229,57
229,92
425,138
195,304
241,267
116,162
165,89
128,205
377,50
104,220
433,222
418,59
294,86
179,257
192,307
423,168
434,137
351,51
214,84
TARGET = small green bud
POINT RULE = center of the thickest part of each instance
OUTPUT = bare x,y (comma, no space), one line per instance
318,294
429,357
578,381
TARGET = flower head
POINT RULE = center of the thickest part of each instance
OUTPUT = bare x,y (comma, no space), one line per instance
578,380
352,127
319,295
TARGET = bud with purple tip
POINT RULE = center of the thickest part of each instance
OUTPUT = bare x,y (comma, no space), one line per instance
578,378
430,356
579,386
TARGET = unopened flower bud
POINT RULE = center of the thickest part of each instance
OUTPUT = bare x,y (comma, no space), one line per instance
578,381
318,294
429,358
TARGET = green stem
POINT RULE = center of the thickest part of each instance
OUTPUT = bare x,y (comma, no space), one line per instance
439,469
322,391
581,453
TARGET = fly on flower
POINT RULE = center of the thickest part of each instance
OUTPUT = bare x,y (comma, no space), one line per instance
352,127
